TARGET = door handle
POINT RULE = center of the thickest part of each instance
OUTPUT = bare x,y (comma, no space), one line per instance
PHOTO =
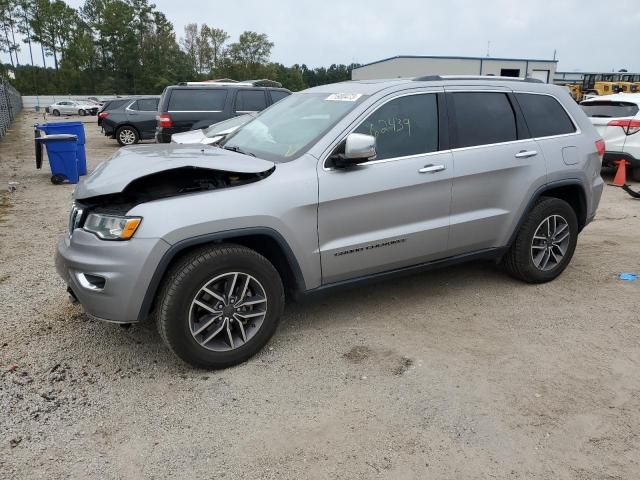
526,154
431,168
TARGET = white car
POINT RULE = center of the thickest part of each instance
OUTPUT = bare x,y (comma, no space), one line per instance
73,107
214,133
617,120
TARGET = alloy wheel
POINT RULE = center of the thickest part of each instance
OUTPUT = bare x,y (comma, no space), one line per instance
227,311
550,242
127,137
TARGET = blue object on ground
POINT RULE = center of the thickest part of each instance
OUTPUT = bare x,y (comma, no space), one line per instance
73,128
629,277
62,154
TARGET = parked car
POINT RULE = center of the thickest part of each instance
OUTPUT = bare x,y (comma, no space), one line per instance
131,121
215,132
195,106
617,120
333,185
111,105
72,107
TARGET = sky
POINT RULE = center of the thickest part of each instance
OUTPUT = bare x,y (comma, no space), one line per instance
588,35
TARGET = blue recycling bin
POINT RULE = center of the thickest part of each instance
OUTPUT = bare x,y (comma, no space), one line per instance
62,153
73,128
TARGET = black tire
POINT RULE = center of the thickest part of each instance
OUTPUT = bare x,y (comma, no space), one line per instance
127,135
82,113
58,179
519,262
184,281
56,113
634,173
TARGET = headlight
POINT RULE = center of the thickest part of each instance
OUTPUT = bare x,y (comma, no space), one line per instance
109,227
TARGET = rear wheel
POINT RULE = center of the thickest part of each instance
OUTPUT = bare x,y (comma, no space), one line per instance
545,242
634,173
56,113
219,306
127,135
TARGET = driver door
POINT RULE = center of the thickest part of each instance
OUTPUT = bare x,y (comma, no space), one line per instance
391,212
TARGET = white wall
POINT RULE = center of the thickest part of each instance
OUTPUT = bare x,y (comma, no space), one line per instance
414,67
29,102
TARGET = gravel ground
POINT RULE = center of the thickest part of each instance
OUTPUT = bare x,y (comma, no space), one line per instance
458,373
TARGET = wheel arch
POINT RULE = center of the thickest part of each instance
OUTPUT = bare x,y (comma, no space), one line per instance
571,191
266,241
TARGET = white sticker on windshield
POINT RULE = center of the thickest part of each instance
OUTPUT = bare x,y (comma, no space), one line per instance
344,97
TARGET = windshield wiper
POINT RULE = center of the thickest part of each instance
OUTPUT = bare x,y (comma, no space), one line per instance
238,150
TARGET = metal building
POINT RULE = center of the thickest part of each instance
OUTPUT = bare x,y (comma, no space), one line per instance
413,66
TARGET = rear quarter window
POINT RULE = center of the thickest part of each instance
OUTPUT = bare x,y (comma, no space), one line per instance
609,109
544,115
197,100
277,95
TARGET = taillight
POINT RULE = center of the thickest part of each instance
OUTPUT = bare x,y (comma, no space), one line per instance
600,146
103,115
630,126
164,120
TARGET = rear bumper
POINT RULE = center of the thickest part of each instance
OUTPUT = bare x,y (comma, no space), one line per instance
109,279
611,157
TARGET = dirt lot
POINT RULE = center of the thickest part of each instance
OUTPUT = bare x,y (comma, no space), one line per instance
460,373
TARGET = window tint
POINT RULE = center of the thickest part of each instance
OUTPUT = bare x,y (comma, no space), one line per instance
404,126
277,95
113,104
483,118
544,115
250,101
148,104
200,100
609,109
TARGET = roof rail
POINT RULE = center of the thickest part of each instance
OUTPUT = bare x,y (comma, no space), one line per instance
263,82
439,78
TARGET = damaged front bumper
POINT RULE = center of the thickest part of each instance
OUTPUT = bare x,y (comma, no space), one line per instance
109,278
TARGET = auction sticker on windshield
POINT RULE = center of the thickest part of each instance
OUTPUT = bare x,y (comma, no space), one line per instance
344,97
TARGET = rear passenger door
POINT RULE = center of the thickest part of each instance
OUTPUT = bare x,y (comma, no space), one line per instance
249,101
142,114
497,168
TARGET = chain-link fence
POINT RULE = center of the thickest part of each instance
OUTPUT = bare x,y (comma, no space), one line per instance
10,105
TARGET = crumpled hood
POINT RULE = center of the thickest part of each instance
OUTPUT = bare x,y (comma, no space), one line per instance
131,163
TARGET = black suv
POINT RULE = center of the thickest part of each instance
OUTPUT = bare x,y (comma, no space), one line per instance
193,106
131,120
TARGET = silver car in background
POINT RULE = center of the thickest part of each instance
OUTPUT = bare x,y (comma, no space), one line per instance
337,184
73,107
214,133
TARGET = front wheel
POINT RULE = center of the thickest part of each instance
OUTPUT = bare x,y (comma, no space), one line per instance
219,306
545,242
82,113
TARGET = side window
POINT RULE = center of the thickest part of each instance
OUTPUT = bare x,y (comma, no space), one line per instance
544,115
133,106
277,95
404,126
250,101
483,118
148,104
197,100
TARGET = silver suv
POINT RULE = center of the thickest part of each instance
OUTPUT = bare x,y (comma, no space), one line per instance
332,185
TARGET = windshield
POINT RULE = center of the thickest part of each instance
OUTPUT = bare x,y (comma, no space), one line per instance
228,125
287,129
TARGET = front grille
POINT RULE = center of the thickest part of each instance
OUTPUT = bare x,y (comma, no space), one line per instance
75,217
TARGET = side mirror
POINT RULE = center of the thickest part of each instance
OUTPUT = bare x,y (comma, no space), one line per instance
359,148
